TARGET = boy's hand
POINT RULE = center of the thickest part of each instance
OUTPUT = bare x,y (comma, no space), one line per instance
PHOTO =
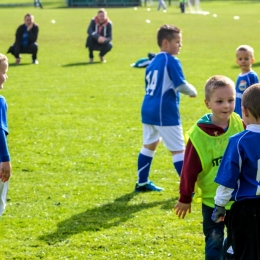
218,214
182,208
5,171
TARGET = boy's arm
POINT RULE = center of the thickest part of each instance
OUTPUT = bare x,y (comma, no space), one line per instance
187,89
176,75
223,196
191,168
5,166
253,78
182,208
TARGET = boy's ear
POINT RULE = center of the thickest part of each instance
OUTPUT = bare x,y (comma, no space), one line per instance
207,103
236,61
245,111
253,60
164,42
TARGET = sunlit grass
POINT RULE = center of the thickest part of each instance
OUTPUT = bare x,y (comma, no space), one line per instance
75,132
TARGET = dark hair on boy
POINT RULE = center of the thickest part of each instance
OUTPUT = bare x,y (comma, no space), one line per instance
251,100
167,32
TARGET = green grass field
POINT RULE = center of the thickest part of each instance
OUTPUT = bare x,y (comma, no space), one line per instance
75,132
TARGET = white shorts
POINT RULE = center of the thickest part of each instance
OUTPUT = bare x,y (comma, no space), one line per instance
172,136
3,195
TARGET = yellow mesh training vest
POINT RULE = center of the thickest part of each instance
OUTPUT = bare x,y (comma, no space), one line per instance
210,150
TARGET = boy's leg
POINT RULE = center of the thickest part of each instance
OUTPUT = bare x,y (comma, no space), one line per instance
245,229
214,235
227,250
177,160
3,195
144,164
174,141
151,140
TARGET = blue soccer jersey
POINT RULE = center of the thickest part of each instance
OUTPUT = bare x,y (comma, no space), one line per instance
243,82
3,110
164,80
240,165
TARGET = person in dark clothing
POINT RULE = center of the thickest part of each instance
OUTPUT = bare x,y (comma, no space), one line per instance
99,35
182,5
25,40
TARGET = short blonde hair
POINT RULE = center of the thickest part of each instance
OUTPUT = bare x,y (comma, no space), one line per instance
3,58
102,10
246,48
251,100
216,82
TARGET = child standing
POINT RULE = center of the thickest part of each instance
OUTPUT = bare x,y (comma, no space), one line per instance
239,176
5,165
164,80
247,77
208,139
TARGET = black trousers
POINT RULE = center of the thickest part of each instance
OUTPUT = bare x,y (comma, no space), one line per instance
31,49
93,45
182,6
244,229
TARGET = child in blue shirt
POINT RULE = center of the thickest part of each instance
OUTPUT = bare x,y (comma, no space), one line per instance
239,179
247,77
5,165
164,81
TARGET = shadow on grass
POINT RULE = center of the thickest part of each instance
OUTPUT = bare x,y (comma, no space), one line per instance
81,64
21,64
102,217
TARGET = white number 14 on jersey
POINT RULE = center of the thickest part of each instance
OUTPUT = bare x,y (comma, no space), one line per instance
151,82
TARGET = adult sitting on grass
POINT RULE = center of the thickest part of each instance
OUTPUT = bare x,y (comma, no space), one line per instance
25,40
99,35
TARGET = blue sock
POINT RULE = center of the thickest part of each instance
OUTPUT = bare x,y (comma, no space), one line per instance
144,163
178,162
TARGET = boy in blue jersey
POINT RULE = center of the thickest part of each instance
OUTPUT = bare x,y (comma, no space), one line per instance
239,179
247,77
164,80
5,165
